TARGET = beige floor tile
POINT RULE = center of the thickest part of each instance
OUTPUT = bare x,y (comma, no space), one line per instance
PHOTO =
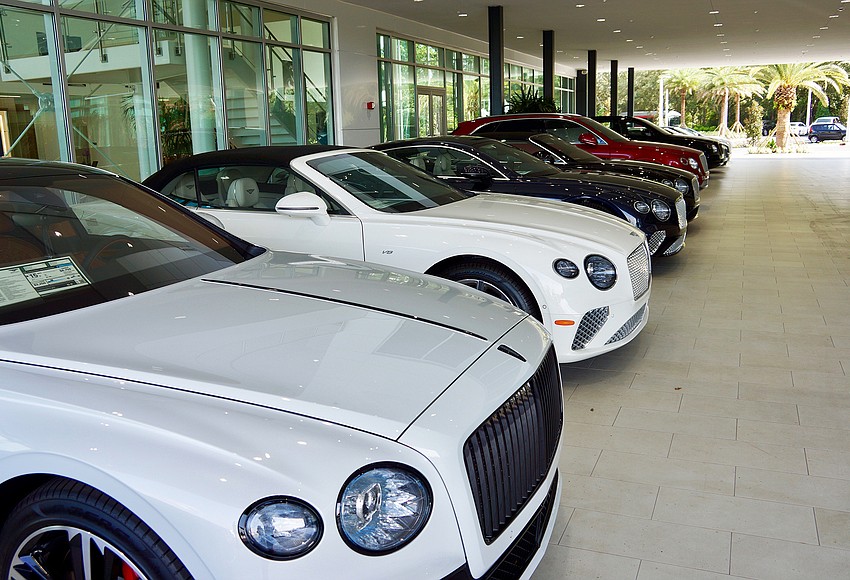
719,427
661,471
764,375
832,528
738,453
593,412
608,495
616,439
565,563
830,417
675,544
799,489
759,432
826,463
565,512
626,397
770,559
655,571
738,408
793,395
736,514
685,386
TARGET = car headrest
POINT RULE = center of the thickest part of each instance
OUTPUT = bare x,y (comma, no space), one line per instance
243,192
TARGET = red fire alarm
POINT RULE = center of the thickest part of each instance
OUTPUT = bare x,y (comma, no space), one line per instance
370,105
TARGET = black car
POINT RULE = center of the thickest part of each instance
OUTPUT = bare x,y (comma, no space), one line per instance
716,152
568,157
486,165
827,132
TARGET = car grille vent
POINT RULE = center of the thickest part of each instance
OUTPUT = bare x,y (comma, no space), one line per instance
675,246
655,241
703,162
639,270
509,455
681,212
628,327
589,326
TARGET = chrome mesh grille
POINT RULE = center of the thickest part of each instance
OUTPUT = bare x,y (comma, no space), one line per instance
639,270
681,212
509,455
703,162
589,326
675,246
655,241
629,326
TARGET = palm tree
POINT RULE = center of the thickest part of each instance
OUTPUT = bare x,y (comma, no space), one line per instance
782,81
721,82
747,85
685,81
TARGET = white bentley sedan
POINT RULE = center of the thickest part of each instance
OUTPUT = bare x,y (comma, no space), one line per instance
584,274
177,403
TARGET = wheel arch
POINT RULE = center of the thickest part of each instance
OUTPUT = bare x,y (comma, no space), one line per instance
461,259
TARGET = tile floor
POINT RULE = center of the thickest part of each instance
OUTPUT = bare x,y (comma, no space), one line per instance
717,443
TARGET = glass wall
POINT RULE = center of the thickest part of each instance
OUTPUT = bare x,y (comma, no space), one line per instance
117,91
418,81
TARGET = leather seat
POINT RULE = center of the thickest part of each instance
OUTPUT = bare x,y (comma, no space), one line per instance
243,192
14,247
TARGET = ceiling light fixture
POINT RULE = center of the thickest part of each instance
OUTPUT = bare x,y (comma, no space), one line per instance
600,20
629,40
714,11
833,15
618,31
520,37
824,27
717,24
462,14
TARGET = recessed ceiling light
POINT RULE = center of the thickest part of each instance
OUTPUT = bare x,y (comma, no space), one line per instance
833,15
816,36
714,11
579,5
824,27
726,49
462,14
600,20
724,42
716,24
520,37
629,40
721,35
641,46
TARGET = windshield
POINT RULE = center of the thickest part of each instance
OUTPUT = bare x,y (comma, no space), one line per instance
385,184
515,160
600,129
563,148
70,241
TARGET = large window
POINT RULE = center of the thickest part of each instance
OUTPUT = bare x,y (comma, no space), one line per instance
126,93
426,89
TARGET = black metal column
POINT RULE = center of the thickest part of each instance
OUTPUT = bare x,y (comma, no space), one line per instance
496,32
581,92
614,73
630,92
549,64
591,83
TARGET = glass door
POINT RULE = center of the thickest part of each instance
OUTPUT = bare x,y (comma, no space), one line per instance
431,111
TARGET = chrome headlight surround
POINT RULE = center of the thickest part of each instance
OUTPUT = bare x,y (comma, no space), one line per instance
382,507
280,528
667,182
661,210
681,185
690,162
565,268
641,207
600,271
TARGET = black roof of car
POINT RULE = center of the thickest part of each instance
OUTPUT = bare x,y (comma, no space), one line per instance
16,168
469,140
265,155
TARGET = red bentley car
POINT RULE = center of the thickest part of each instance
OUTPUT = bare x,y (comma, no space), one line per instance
591,136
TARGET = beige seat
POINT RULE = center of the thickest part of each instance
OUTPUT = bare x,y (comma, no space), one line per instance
295,184
443,165
224,179
243,192
14,249
418,162
184,190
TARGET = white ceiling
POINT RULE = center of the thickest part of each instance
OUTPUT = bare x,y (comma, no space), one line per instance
653,34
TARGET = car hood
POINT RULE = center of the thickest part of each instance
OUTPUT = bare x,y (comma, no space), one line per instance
601,180
537,217
649,146
344,342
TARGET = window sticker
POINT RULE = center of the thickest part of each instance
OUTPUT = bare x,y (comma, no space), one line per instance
37,279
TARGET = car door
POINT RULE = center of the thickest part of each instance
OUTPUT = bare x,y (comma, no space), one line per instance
223,196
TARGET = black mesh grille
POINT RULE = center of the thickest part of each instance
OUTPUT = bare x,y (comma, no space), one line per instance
510,453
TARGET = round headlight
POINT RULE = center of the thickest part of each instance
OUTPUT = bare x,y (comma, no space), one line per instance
280,528
681,185
601,271
566,268
383,508
667,182
690,161
712,147
642,206
661,210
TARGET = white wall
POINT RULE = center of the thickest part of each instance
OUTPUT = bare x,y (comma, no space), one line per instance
355,61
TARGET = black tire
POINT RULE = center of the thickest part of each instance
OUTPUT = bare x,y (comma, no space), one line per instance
50,529
496,281
813,138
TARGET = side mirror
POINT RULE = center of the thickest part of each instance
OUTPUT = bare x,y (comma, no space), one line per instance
477,173
304,205
587,139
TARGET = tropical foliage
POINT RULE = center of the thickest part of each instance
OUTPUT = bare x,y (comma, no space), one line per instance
530,101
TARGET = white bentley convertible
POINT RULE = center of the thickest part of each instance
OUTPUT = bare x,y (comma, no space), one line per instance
177,403
584,274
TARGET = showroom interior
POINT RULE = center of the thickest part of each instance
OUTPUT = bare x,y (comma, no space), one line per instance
716,443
